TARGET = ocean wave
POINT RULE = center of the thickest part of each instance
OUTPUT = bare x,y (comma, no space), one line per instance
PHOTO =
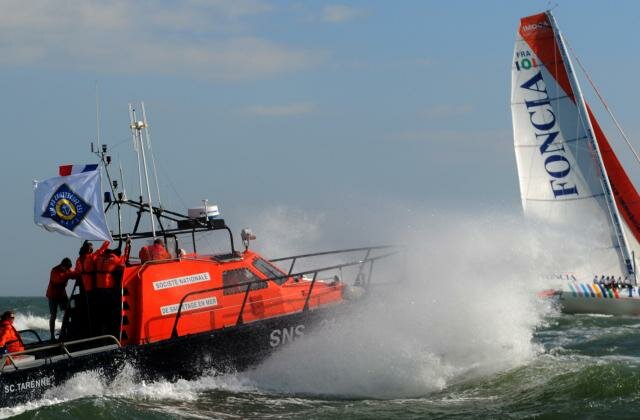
127,385
468,309
29,321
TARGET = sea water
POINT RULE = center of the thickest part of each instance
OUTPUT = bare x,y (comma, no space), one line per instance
463,334
574,366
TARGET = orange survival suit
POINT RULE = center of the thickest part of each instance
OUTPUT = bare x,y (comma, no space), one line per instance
109,267
10,338
157,251
58,282
86,267
86,271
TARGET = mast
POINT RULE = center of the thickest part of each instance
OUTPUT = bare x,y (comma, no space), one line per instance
136,128
604,179
153,159
136,147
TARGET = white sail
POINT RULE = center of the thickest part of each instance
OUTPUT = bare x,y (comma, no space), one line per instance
562,180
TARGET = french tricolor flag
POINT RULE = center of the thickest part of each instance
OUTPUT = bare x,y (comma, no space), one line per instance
76,169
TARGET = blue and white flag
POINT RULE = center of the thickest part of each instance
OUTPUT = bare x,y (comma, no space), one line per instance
72,205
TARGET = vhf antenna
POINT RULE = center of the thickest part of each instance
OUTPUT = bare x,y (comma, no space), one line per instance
136,148
136,131
153,159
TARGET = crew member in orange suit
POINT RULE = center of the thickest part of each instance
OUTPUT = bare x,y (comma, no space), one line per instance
109,268
56,291
10,340
86,270
86,264
157,251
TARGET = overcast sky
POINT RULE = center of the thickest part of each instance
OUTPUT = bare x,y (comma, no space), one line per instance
289,115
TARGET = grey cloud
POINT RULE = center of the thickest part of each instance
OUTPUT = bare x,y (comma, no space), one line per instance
339,13
123,37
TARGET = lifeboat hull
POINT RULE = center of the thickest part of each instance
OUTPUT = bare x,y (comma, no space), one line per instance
226,350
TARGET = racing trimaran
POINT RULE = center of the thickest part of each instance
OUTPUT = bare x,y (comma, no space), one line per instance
570,178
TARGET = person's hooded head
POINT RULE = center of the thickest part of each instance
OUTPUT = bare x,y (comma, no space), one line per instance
66,263
86,248
8,315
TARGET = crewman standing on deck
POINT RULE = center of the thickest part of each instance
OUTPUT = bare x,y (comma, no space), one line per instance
86,269
86,264
109,269
56,291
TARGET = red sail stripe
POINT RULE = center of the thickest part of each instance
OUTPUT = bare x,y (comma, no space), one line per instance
537,32
624,192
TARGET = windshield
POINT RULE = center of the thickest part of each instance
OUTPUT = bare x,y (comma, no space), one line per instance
269,270
241,277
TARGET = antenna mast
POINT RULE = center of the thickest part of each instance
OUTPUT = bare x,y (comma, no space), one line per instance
97,117
136,130
136,147
124,189
153,159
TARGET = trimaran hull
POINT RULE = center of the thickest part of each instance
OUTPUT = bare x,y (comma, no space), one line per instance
585,298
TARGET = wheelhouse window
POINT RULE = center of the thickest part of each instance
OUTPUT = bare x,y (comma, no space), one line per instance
241,277
269,270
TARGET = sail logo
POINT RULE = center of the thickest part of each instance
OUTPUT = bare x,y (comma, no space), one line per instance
525,60
539,26
66,208
543,120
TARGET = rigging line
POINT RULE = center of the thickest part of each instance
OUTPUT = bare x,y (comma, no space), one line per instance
583,113
120,143
167,177
172,185
605,104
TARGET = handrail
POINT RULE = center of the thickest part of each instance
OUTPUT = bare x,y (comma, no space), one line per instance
62,345
340,251
195,225
32,332
239,320
294,258
174,330
305,307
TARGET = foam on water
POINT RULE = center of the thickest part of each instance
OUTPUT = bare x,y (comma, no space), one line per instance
468,308
128,385
29,321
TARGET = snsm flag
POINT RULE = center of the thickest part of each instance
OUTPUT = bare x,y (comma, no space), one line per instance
72,205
